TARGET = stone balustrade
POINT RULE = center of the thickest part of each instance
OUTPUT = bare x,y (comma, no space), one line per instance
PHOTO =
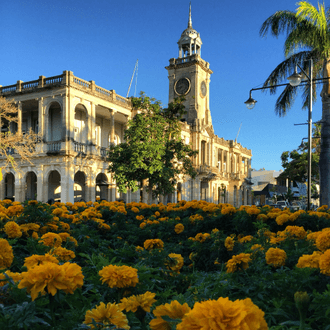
67,79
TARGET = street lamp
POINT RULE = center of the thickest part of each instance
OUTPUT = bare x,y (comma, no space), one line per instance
295,80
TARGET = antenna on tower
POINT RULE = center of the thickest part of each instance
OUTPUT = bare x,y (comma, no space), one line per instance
130,84
238,132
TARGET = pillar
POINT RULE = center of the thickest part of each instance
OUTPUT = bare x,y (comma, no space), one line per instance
41,193
67,176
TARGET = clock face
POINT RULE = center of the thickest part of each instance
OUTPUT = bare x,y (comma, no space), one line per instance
182,86
203,89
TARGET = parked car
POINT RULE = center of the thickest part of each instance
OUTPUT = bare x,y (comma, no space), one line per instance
282,204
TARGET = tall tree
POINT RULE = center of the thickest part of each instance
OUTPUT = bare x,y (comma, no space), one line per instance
12,142
307,37
153,150
295,162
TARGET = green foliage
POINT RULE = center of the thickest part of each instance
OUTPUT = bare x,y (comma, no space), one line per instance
153,149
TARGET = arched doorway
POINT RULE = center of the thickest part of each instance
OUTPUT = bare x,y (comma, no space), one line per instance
54,186
80,124
31,186
54,122
101,187
10,186
79,186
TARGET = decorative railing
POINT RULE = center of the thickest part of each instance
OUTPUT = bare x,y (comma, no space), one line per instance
53,80
80,147
30,84
67,78
103,152
81,82
54,146
8,89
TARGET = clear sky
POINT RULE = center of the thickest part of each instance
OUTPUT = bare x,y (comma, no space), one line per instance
101,40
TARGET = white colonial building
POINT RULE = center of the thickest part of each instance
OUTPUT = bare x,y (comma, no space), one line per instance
77,120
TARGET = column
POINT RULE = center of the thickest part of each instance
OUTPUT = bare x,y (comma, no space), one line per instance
67,176
112,125
19,188
196,189
19,115
41,193
91,123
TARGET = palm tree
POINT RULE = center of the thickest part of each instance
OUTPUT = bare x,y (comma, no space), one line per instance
307,37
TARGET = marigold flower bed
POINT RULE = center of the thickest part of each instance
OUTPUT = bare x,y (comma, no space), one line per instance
189,265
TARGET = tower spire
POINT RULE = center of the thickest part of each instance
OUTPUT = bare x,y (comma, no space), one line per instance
190,21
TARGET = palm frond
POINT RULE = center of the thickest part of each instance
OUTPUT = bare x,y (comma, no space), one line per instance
305,35
283,21
317,17
285,69
285,100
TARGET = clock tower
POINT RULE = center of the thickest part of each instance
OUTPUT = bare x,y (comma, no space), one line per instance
189,76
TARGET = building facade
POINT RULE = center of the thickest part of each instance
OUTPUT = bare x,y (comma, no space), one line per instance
78,120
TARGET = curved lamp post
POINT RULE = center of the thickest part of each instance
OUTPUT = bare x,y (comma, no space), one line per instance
295,80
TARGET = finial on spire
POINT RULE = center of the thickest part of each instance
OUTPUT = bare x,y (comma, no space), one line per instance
190,21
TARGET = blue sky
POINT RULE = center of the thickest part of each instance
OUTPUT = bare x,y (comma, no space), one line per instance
101,41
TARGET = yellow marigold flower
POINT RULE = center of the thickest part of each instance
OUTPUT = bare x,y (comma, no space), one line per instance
262,217
245,239
73,276
309,260
313,236
277,239
58,211
139,217
240,261
224,314
295,232
177,218
323,240
142,225
132,303
200,237
65,226
324,263
67,237
135,209
229,243
26,227
275,257
215,230
36,260
16,277
252,211
6,254
52,277
257,247
51,239
174,262
156,243
35,235
230,210
33,202
63,254
139,249
108,315
282,218
179,228
157,214
174,310
12,229
119,276
322,208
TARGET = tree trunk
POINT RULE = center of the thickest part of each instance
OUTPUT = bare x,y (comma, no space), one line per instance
324,164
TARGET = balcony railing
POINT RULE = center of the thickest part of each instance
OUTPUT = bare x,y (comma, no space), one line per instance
66,79
80,147
54,147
